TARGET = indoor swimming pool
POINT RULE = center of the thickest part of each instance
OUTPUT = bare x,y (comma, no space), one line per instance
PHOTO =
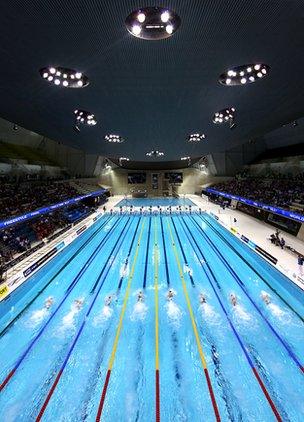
154,202
153,317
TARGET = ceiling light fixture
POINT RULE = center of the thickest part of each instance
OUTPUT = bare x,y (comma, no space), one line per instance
235,76
224,116
59,75
85,118
122,159
196,137
152,23
115,139
155,154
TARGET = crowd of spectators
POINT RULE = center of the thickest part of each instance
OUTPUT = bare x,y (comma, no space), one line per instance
19,198
18,239
282,193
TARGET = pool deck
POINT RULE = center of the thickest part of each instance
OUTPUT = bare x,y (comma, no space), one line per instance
255,230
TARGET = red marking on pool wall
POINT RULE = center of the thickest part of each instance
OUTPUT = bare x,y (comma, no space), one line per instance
302,368
272,405
157,400
48,398
103,396
215,408
9,376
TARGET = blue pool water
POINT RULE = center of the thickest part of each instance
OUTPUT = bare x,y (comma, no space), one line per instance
162,202
240,362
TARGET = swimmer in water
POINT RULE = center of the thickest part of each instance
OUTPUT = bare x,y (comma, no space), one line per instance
108,300
170,294
48,302
265,297
233,299
140,296
78,303
202,298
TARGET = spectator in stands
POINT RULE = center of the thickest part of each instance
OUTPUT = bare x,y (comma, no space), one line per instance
20,198
283,193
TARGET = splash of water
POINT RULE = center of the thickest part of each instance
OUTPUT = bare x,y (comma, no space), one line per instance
37,317
139,311
241,313
103,316
276,310
174,313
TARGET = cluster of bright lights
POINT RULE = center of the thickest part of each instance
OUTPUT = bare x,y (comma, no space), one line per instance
85,118
116,139
124,159
152,23
185,158
196,137
224,116
155,153
61,76
244,74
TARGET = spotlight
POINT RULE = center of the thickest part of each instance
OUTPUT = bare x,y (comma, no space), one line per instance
136,29
60,75
165,16
295,123
169,29
141,17
243,81
15,127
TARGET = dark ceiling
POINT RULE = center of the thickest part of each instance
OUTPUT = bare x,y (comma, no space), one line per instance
153,93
